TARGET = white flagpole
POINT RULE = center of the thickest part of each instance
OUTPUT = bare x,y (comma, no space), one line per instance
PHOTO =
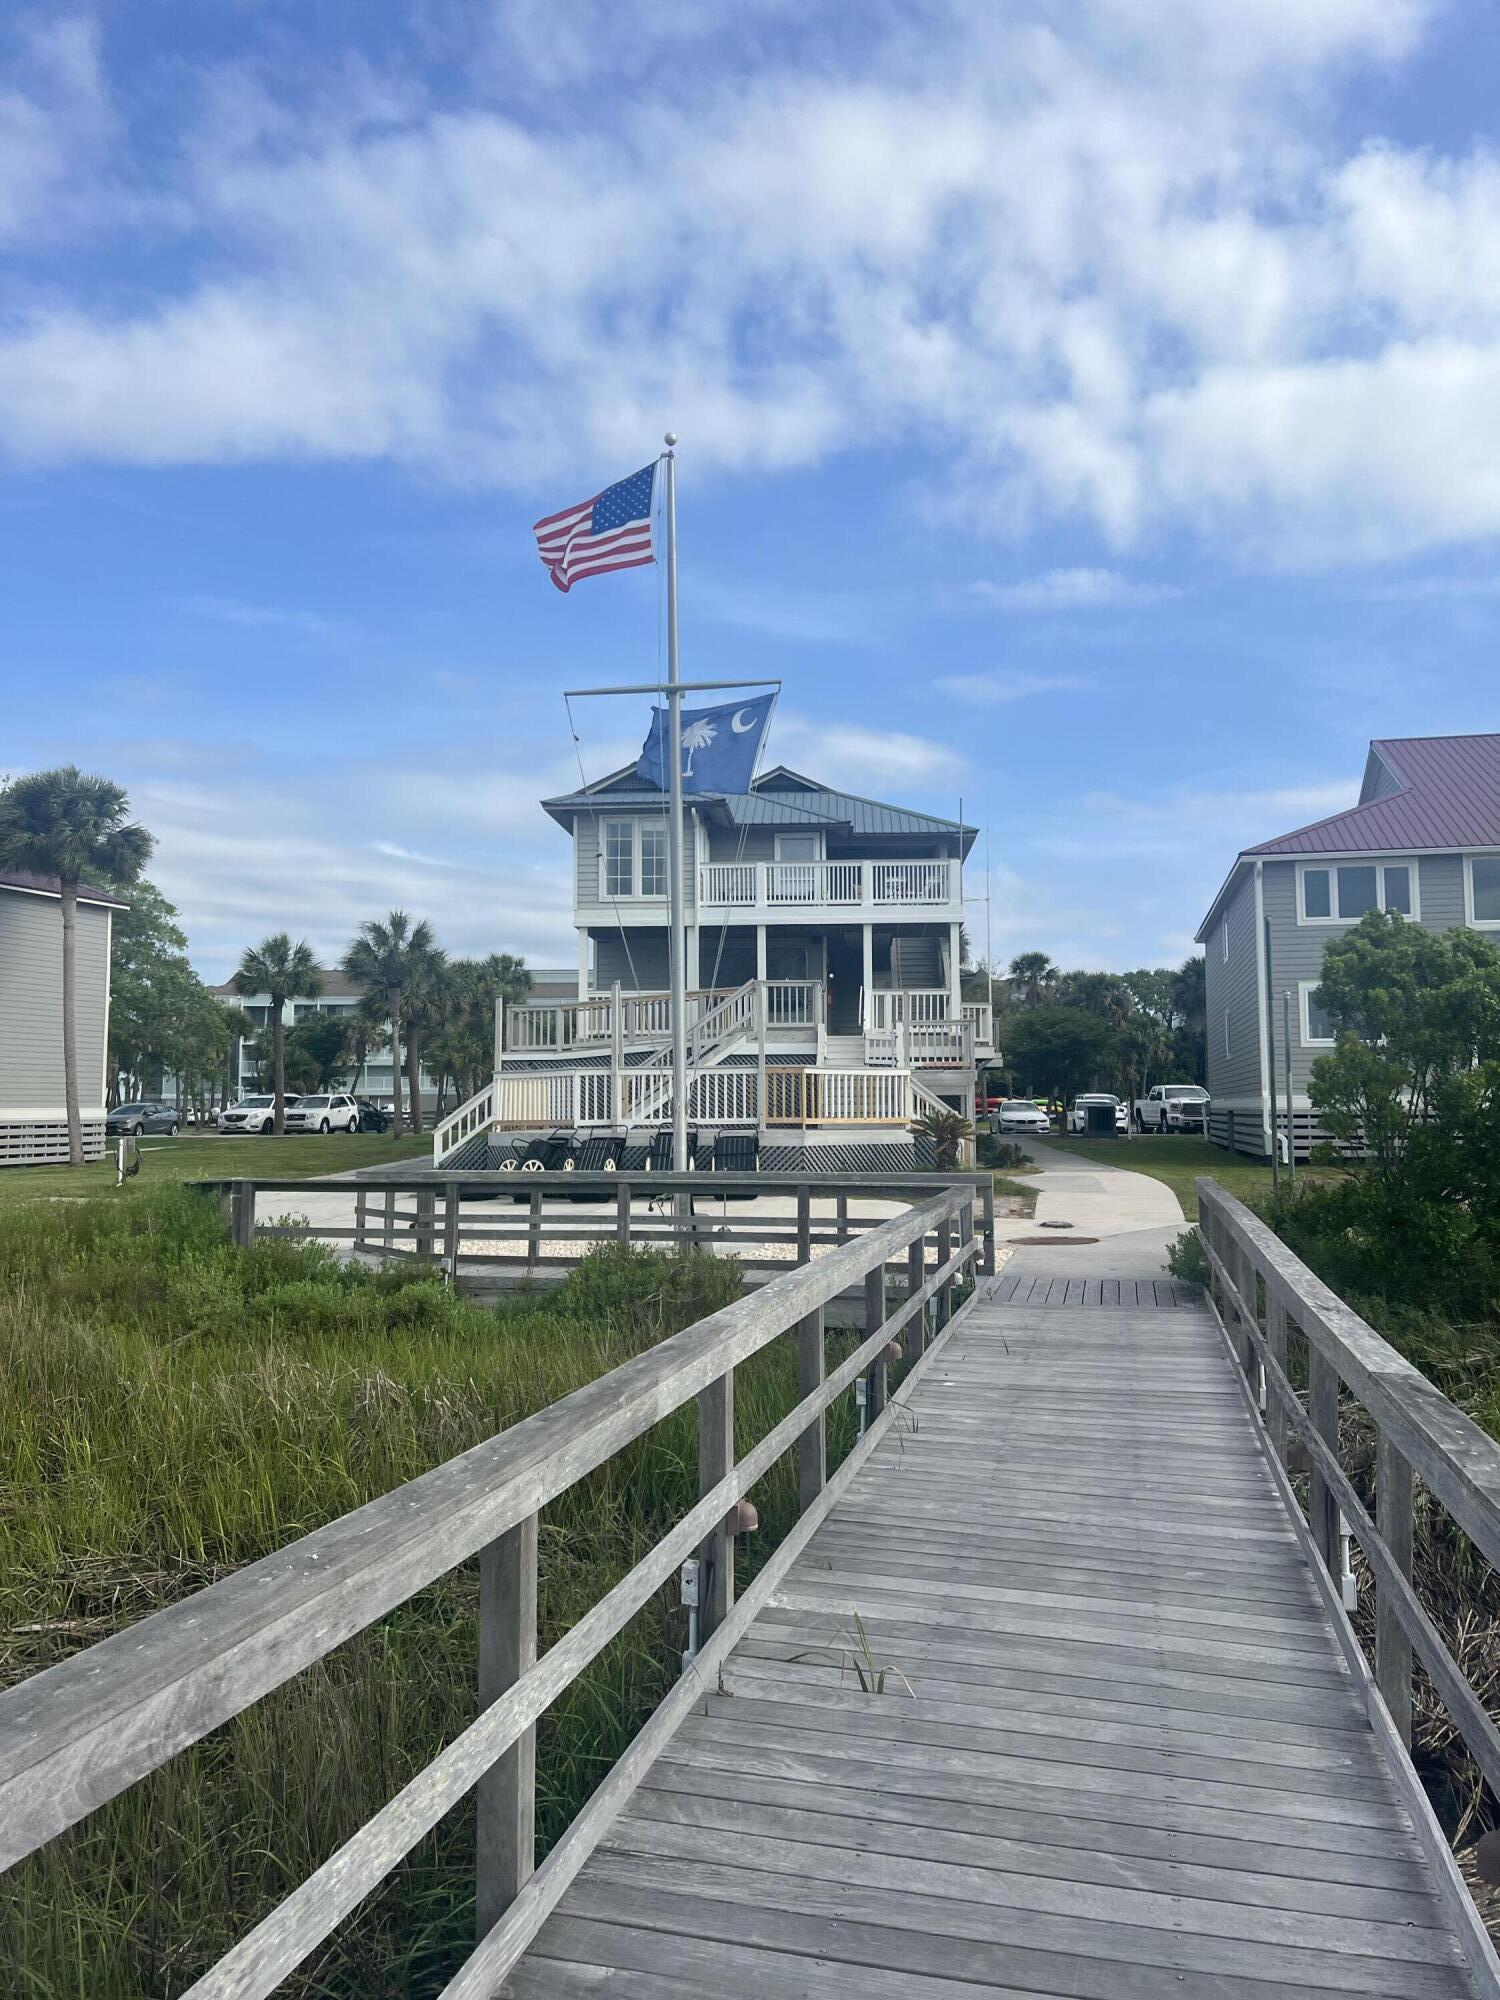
675,841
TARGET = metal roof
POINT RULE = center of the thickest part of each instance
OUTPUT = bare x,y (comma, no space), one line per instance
1446,795
781,798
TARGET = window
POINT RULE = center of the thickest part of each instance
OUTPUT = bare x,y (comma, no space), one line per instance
1484,889
619,857
1317,1028
653,860
1343,894
796,847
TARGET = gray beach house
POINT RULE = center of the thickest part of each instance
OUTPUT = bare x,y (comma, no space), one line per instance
1423,839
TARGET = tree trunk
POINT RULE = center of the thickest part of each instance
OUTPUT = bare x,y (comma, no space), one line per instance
70,1019
414,1076
278,1047
393,1001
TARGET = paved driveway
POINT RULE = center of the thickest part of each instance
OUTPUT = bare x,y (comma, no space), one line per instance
1132,1216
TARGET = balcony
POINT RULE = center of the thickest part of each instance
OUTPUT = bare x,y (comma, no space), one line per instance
779,887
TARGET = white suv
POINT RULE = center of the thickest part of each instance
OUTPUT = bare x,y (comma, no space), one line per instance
331,1111
252,1114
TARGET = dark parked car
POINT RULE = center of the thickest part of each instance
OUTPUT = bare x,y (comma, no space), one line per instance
372,1117
147,1115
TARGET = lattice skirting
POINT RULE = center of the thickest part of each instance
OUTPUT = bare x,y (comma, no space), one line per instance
31,1142
485,1150
1243,1132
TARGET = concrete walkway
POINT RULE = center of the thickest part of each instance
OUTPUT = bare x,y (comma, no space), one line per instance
1133,1217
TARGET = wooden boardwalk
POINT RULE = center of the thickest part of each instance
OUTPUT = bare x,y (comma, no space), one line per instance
1119,1755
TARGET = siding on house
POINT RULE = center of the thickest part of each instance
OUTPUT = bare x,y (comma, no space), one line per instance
1230,989
643,970
33,1101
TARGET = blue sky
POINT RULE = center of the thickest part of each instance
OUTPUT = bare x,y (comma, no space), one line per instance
1091,417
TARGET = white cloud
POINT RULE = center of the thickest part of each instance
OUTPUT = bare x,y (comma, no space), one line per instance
1121,274
1073,590
262,617
849,755
1000,687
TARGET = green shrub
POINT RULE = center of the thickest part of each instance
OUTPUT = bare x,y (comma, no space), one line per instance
1186,1259
171,1409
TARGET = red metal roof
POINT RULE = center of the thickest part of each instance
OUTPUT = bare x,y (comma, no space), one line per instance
1449,798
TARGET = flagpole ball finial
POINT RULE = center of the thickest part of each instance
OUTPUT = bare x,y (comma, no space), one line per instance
671,439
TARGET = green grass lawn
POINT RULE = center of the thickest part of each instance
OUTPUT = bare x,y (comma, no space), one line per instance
1177,1161
209,1157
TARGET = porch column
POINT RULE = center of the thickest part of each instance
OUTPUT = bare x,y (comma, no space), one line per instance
583,964
867,1005
760,951
955,990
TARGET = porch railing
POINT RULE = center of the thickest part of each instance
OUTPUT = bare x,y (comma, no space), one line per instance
84,1731
525,1100
838,885
1284,1322
544,1027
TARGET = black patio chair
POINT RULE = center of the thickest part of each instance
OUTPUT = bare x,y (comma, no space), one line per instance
736,1153
600,1155
551,1155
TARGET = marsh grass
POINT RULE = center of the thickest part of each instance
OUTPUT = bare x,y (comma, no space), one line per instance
171,1409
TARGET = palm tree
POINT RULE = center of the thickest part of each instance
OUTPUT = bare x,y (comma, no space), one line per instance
387,958
1034,969
697,736
285,971
426,1000
68,824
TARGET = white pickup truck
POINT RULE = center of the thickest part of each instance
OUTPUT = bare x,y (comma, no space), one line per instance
1172,1107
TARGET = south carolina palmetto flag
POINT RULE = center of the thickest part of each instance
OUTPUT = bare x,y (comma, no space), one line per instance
611,531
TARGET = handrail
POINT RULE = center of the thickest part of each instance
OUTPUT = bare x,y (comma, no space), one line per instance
80,1732
1417,1429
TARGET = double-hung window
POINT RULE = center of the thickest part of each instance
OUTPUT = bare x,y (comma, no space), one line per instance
653,859
619,857
1484,889
1317,1028
1344,892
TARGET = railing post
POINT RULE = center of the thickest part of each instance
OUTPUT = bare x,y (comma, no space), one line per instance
841,1217
715,1462
878,1375
1276,1419
242,1214
388,1220
452,1218
505,1845
622,1214
426,1223
915,1332
943,1305
361,1216
1323,1408
534,1230
804,1224
812,1446
1245,1279
966,1236
1393,1523
987,1227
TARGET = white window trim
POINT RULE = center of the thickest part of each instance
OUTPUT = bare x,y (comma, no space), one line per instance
1379,862
1305,990
812,833
635,894
1224,935
1476,923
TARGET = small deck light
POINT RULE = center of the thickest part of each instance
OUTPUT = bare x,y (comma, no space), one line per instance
743,1518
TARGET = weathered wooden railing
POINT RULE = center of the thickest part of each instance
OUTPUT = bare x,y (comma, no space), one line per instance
83,1731
436,1215
1270,1294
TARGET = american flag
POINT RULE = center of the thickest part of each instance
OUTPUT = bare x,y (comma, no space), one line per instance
611,531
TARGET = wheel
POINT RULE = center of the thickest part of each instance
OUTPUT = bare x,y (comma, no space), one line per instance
267,1126
172,1129
323,1127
